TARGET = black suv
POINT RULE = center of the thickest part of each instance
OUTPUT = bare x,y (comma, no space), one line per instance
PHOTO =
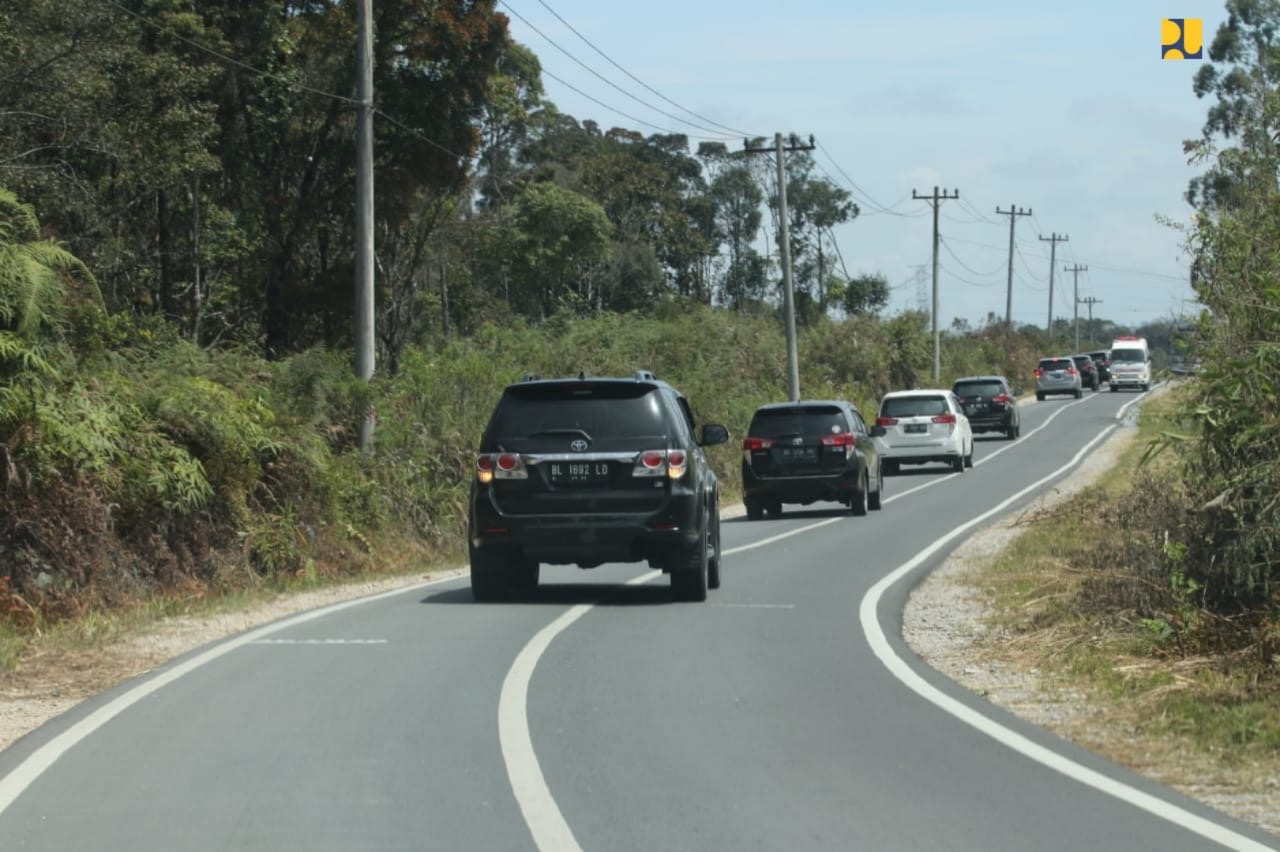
1088,371
810,450
591,470
990,404
1102,361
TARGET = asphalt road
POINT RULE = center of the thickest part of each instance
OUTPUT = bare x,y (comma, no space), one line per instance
786,713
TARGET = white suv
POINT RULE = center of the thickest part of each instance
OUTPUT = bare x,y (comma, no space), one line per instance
1130,363
924,426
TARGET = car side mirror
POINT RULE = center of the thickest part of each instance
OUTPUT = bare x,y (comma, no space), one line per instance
878,431
713,433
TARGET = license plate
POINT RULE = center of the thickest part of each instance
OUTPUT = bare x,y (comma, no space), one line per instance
914,428
579,473
975,407
798,454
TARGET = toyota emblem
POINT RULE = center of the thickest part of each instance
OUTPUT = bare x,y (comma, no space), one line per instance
796,442
578,446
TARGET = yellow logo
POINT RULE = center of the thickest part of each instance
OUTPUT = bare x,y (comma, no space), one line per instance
1182,38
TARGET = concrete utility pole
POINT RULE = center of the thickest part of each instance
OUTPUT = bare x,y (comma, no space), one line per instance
935,201
1053,250
1013,213
364,209
788,290
1090,301
1075,269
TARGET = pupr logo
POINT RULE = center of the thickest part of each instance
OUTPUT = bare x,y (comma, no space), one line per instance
1182,38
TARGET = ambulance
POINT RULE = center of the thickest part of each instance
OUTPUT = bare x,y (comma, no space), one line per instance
1130,363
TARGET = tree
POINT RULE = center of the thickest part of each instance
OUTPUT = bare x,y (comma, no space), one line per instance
865,294
558,240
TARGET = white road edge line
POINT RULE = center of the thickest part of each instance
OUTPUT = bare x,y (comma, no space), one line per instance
900,669
551,833
38,762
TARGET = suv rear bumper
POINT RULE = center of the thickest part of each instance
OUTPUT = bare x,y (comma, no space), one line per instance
588,539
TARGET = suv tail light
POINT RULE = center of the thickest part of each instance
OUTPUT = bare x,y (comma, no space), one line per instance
1071,371
491,466
886,421
651,464
1002,398
1039,373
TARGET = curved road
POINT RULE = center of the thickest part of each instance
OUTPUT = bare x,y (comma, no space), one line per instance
785,713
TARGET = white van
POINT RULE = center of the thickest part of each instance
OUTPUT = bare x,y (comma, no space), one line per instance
1130,363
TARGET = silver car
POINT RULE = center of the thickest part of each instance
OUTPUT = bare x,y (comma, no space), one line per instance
1058,375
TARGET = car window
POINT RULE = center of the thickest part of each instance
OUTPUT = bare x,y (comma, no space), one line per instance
1056,363
978,388
601,410
807,420
914,406
859,425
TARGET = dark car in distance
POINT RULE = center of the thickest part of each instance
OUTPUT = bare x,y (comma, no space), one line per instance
1102,360
990,403
807,451
591,470
1088,371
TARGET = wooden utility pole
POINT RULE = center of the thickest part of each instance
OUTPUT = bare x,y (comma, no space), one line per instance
788,289
1053,250
364,209
935,201
1013,213
1075,269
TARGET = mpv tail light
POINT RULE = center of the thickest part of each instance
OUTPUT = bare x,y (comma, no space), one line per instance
1039,373
1071,371
1001,397
843,439
949,419
750,445
886,421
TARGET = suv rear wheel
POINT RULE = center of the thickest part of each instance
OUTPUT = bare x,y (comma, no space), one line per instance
689,567
755,509
873,499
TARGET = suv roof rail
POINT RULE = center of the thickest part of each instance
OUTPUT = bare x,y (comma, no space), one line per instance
530,377
645,376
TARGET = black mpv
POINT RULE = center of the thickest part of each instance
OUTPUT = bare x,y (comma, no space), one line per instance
810,450
591,470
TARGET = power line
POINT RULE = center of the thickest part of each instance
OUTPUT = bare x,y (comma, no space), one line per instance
719,136
970,269
879,208
636,79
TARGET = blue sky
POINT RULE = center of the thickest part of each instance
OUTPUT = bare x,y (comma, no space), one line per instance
1066,109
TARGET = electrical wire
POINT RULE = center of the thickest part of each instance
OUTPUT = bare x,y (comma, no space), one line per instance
878,208
970,269
717,137
637,80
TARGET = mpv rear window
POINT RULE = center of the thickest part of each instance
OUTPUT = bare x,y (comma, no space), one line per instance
977,389
807,420
913,406
602,410
1056,363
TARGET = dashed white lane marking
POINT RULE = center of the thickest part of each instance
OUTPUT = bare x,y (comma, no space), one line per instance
753,606
319,642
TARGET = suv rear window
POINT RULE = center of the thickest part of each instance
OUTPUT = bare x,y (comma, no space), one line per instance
977,389
1056,363
599,409
913,406
805,420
